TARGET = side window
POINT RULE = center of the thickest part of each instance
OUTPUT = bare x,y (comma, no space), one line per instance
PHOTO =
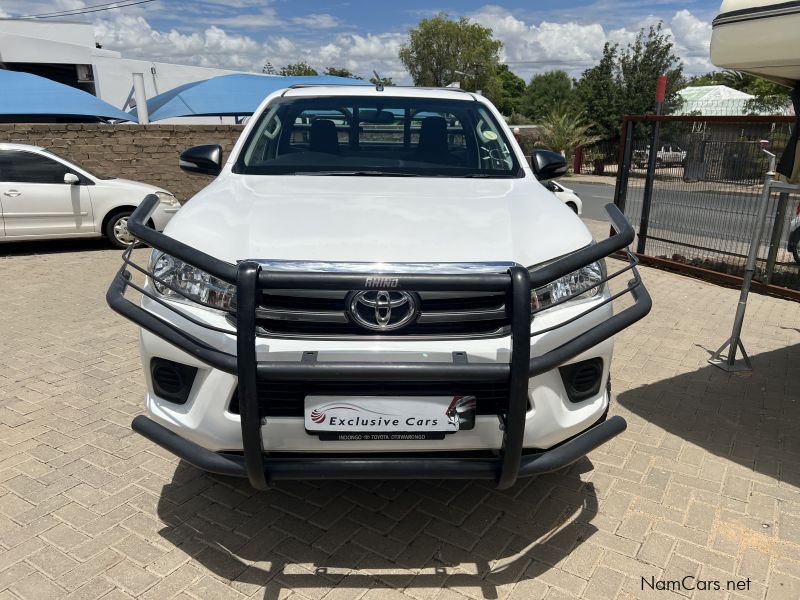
26,167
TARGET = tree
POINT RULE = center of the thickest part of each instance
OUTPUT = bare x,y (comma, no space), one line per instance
564,129
624,81
268,69
597,93
441,51
546,91
386,81
508,91
300,68
641,63
341,72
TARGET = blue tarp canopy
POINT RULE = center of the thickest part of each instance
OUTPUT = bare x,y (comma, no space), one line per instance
237,94
24,94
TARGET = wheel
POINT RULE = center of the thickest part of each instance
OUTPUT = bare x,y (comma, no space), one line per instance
116,229
796,254
573,206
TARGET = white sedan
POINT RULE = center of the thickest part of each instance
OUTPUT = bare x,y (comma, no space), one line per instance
566,195
44,196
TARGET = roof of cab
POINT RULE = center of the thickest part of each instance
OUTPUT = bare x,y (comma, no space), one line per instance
388,91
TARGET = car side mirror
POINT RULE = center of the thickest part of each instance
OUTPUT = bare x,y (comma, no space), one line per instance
206,159
71,179
548,165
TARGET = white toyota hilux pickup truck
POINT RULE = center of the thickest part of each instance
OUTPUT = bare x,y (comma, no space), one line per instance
376,285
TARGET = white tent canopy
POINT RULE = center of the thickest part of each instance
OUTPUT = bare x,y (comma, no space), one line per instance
713,100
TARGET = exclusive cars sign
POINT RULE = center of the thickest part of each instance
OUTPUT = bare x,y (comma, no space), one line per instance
388,417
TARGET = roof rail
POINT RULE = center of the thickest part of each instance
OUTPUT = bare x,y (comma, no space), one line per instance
295,86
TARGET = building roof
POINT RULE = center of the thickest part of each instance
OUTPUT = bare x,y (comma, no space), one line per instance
713,100
27,95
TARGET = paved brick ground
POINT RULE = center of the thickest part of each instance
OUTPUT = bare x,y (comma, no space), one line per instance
704,482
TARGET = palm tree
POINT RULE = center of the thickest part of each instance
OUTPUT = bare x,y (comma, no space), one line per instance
563,130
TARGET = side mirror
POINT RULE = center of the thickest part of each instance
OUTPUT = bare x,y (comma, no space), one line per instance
206,159
71,179
548,165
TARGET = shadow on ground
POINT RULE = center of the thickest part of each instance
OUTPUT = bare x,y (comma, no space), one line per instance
382,534
32,248
750,418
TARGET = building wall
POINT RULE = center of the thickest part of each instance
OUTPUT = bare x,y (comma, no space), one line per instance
146,153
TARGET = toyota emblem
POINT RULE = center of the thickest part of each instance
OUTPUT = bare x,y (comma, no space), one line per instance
382,310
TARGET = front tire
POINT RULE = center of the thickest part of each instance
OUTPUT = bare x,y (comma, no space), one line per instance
116,229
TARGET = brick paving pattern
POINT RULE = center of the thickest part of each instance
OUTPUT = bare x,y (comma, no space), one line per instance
704,482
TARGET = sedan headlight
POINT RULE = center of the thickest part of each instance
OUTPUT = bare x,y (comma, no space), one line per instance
195,285
168,199
578,282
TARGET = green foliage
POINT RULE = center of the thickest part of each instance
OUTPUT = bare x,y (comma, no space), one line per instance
518,119
386,81
639,67
507,91
341,72
598,95
547,91
625,80
564,129
441,50
300,68
268,69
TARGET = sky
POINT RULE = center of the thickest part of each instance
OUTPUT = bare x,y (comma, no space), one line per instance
366,35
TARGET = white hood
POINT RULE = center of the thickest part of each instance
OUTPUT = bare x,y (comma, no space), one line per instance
378,219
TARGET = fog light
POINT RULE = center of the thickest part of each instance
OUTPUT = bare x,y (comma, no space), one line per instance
582,379
171,380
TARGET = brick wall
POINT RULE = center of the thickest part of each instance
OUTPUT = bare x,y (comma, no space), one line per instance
146,153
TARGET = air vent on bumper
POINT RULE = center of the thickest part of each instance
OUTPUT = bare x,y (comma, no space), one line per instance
582,379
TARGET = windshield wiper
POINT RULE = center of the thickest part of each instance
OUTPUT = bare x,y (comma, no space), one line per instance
361,173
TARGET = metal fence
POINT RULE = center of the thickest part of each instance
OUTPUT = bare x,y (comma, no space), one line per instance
598,159
695,209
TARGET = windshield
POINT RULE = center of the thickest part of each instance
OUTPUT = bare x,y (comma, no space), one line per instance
341,135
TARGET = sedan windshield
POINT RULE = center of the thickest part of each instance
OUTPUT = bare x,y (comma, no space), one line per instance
367,136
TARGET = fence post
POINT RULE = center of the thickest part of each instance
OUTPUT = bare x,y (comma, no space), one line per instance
577,160
647,194
775,238
624,166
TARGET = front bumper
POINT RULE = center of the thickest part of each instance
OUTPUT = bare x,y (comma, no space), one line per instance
249,278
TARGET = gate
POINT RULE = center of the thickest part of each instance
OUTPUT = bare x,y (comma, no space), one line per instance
694,207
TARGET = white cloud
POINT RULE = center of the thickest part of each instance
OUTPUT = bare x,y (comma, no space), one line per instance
212,47
574,46
317,21
255,32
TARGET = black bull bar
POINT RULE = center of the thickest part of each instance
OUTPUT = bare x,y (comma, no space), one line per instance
249,278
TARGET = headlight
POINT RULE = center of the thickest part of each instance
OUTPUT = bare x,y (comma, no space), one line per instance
576,282
168,199
194,284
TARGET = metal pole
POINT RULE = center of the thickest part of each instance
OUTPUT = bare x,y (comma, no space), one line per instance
647,196
735,341
621,193
775,238
141,99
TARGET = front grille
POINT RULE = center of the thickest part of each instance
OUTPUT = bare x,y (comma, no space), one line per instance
290,313
285,398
